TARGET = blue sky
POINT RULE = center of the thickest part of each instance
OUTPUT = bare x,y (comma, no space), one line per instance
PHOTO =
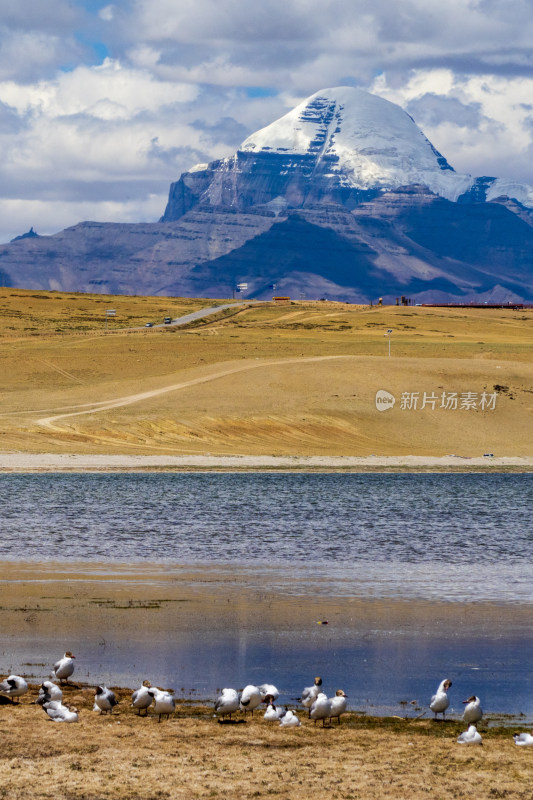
102,105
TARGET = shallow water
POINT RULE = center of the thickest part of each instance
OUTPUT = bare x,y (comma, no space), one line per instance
449,538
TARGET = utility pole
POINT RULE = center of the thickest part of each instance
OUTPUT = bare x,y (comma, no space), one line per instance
388,335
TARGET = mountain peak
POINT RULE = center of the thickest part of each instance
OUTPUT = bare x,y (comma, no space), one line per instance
367,141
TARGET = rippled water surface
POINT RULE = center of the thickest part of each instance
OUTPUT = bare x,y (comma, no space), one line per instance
451,537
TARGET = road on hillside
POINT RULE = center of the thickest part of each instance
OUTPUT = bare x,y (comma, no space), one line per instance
206,312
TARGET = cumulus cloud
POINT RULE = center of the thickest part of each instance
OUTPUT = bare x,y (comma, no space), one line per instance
479,122
351,36
103,104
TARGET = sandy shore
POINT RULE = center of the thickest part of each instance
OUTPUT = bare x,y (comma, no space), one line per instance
55,462
93,597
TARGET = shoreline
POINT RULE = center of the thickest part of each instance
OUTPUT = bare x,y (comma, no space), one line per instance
81,463
190,707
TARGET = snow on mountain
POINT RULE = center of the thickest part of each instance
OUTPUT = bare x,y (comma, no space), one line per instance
341,146
501,187
368,142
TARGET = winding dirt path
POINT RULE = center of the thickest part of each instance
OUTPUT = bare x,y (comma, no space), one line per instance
50,423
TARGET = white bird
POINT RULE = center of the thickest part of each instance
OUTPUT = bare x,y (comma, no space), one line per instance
321,709
250,698
289,720
164,703
63,669
440,700
267,689
338,704
142,699
104,700
13,686
471,736
310,693
473,711
523,739
274,713
47,692
60,713
227,703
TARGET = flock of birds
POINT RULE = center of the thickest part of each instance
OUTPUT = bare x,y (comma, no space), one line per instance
51,699
318,704
472,714
51,695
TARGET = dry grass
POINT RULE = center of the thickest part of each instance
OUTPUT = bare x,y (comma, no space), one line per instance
27,312
131,758
260,391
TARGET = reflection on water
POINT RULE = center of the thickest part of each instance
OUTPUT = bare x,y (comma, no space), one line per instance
381,672
440,537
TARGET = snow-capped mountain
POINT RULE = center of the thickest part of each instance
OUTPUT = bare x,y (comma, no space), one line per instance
342,197
364,141
342,145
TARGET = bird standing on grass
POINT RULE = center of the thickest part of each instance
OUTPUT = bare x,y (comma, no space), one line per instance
164,703
440,700
473,711
338,704
104,700
310,693
250,698
13,686
321,709
142,699
63,669
268,689
227,703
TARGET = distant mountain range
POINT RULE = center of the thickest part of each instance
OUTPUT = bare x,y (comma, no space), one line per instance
343,197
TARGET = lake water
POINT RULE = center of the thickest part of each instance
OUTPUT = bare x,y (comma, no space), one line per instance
438,537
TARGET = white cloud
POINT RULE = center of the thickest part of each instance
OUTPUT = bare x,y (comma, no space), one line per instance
107,91
49,217
103,132
107,13
499,144
25,54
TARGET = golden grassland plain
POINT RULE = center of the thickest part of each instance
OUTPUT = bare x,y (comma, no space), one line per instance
297,379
